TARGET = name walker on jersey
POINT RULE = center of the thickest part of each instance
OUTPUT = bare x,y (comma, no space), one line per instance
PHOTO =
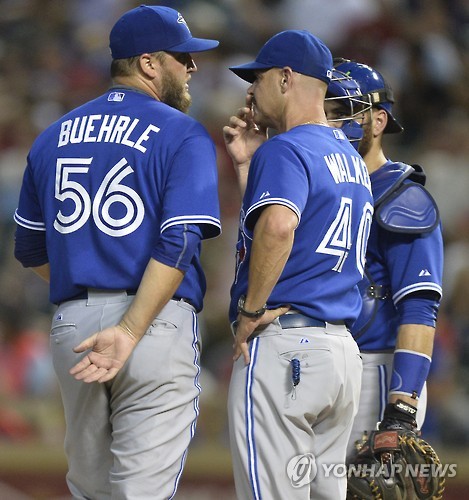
118,129
341,171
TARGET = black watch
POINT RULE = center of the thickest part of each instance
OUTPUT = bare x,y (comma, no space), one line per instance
249,314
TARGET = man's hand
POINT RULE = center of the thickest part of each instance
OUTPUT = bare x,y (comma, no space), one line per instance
110,349
246,326
242,137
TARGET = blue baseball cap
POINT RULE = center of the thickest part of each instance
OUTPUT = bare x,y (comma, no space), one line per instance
150,28
298,49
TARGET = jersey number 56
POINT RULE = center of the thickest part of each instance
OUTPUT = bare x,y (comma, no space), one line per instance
109,192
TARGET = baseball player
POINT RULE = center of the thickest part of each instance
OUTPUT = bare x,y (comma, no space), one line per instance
116,198
403,274
304,224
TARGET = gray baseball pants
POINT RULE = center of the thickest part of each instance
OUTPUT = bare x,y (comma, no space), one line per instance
289,442
128,438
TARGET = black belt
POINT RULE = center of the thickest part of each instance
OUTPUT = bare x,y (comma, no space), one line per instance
298,320
187,301
84,294
291,320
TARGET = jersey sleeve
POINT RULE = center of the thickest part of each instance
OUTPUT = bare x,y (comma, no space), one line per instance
177,246
277,177
30,247
191,190
415,263
29,213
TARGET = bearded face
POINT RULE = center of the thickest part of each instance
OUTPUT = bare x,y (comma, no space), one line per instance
175,93
174,88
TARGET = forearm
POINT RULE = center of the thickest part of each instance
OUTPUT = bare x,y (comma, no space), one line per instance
272,244
242,171
418,339
158,286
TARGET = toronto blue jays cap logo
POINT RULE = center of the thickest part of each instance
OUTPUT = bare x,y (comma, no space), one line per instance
181,20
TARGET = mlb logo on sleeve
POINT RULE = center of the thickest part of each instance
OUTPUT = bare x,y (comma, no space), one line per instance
116,96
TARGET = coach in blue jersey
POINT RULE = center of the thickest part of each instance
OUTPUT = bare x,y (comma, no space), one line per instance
116,198
403,275
304,225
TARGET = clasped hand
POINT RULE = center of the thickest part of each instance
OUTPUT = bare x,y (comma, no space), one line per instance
110,349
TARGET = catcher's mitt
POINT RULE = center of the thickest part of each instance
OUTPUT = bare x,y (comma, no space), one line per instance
394,465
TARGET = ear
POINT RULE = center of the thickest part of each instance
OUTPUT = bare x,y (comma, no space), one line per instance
380,120
286,76
147,65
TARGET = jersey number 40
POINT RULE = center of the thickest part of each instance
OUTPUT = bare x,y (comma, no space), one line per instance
338,238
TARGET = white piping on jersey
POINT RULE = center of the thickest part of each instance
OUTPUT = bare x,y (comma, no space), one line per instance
187,219
184,247
29,224
190,219
274,201
423,285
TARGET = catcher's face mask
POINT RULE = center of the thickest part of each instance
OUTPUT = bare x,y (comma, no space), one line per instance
346,107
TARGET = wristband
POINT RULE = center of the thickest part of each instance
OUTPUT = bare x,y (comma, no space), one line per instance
409,372
249,314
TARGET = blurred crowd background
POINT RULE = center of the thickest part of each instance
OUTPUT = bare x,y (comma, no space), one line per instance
54,56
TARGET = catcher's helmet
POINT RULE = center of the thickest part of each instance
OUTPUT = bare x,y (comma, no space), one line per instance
346,91
372,83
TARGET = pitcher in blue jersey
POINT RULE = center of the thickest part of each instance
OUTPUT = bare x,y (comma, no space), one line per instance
116,198
403,275
304,224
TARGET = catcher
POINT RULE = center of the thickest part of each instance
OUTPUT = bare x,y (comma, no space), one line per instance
401,293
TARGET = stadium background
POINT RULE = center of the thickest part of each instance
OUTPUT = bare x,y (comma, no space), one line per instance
54,56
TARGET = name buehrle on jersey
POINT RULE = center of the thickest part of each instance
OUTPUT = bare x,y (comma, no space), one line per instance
105,128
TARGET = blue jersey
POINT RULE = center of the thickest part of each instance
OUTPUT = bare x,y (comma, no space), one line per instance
315,172
397,264
106,180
